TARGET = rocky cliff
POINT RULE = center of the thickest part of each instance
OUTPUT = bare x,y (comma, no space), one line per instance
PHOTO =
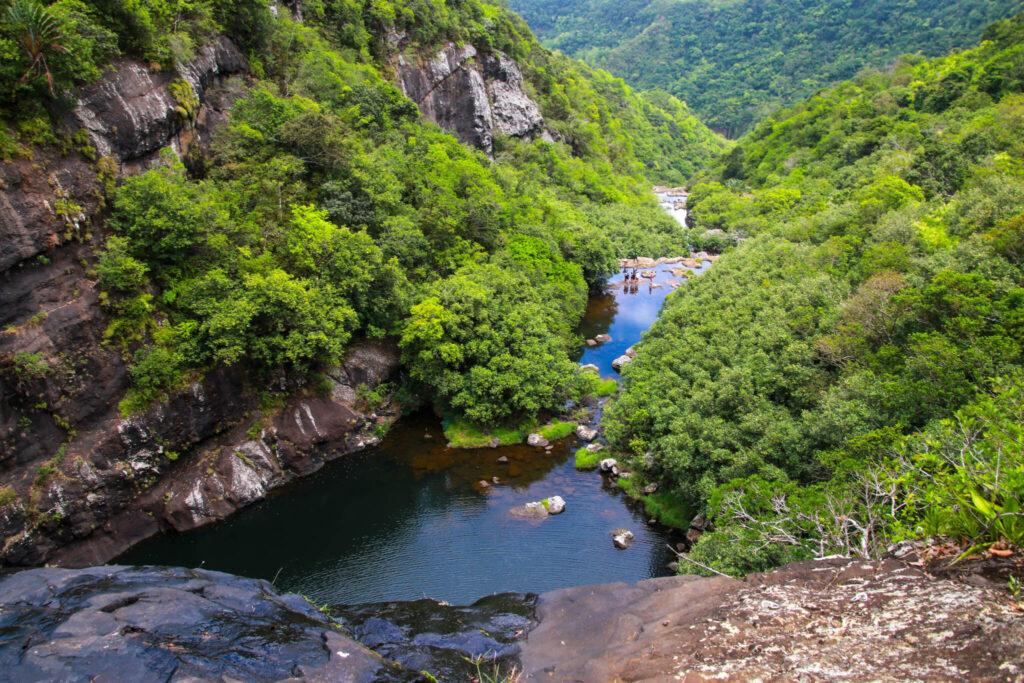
80,483
473,96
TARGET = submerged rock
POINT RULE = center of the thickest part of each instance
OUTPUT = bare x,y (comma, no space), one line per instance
539,509
534,510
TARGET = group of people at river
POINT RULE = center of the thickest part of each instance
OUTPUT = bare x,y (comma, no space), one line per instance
631,283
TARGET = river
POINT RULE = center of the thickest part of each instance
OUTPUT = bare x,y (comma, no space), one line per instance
408,519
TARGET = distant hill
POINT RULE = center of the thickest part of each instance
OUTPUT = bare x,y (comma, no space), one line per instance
735,61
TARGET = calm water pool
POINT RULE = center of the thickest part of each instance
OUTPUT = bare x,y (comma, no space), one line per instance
406,520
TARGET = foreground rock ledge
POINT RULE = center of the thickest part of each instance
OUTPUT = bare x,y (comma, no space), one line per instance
824,620
153,624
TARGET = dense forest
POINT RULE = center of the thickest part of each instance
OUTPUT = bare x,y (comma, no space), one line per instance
328,211
736,62
850,375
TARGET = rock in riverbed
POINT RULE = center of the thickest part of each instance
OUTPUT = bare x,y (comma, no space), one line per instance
619,362
595,447
622,539
539,509
603,338
608,464
585,433
536,440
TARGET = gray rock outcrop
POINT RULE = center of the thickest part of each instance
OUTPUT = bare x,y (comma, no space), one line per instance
142,624
472,96
130,112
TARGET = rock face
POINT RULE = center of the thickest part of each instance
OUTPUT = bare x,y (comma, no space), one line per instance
139,624
205,451
130,113
472,96
822,620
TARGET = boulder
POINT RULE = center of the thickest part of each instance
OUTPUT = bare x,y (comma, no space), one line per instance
503,459
608,464
555,505
622,539
585,433
651,488
603,338
692,535
619,362
590,367
591,342
630,352
649,274
595,447
701,523
536,440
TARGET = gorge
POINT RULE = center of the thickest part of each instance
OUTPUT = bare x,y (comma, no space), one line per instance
302,303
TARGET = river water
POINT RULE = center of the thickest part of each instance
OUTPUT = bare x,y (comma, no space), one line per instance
408,519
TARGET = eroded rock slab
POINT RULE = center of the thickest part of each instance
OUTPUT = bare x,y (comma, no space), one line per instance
836,619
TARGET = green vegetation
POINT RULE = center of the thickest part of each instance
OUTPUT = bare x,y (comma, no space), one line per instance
557,430
7,496
813,390
463,434
737,61
585,460
327,211
607,387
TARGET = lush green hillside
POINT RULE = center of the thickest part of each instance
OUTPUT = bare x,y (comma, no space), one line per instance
737,61
851,373
328,211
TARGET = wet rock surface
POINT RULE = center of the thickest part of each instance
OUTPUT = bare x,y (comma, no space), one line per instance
146,624
426,635
835,619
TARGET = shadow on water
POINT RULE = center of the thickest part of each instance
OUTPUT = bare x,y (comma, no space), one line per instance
410,519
